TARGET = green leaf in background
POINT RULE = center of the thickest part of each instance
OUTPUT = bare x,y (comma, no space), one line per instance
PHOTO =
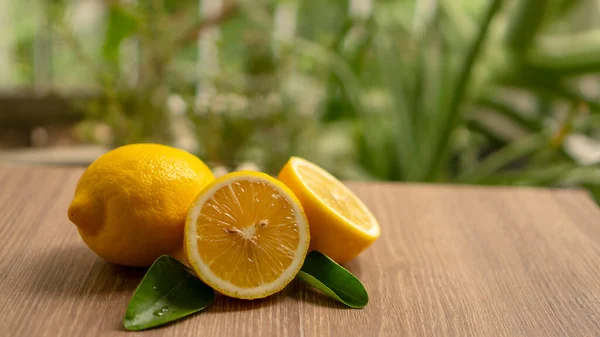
321,21
121,24
333,280
168,292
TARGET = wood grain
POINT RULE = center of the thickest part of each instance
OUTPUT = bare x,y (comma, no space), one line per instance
452,261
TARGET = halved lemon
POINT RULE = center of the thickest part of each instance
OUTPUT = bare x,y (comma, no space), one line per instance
246,235
341,226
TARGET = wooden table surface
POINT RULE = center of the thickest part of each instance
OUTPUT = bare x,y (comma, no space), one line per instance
451,261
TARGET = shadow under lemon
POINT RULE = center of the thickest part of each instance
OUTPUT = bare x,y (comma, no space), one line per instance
228,304
76,271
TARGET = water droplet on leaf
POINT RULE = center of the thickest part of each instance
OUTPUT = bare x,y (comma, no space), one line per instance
160,311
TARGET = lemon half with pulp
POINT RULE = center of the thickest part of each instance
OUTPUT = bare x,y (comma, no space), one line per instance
341,226
246,235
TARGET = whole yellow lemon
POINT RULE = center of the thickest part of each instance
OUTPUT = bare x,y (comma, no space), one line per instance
130,204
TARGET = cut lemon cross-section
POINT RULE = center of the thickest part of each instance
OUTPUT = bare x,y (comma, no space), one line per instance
246,235
341,226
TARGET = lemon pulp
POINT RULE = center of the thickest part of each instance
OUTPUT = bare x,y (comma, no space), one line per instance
335,195
246,235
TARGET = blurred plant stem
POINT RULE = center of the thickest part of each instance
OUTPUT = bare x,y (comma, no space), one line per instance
441,150
525,23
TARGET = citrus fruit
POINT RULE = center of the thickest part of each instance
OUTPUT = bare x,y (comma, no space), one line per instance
246,235
130,204
341,226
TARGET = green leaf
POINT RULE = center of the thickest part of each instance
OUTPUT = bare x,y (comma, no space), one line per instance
504,156
569,54
525,23
121,24
443,143
333,280
168,292
391,69
321,21
509,111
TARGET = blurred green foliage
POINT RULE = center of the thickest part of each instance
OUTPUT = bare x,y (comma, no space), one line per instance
469,91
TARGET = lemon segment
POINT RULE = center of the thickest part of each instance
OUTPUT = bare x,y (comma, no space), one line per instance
246,235
341,225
